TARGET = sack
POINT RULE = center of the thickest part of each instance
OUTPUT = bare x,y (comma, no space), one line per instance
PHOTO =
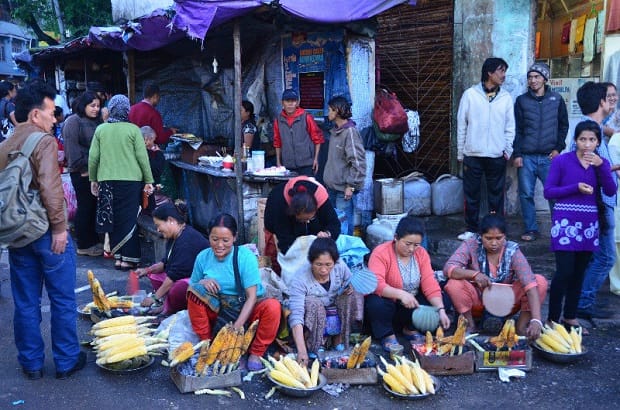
389,114
411,139
23,218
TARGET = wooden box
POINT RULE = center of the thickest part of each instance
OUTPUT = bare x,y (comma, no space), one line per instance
366,375
446,365
187,384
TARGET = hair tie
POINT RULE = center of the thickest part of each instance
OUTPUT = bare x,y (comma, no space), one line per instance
301,188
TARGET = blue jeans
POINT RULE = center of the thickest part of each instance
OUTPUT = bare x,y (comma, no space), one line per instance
535,166
32,266
348,207
603,260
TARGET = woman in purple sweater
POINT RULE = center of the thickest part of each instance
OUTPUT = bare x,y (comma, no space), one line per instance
574,182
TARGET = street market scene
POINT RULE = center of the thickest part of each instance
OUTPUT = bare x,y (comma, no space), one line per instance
327,204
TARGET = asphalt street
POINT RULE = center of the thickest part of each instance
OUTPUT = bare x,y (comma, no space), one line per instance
592,382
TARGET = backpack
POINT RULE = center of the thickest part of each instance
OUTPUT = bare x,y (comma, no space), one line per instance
23,218
6,126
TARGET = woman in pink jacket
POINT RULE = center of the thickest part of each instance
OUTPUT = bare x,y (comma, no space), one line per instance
406,280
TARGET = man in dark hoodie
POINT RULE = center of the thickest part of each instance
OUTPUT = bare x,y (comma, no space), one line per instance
541,121
296,137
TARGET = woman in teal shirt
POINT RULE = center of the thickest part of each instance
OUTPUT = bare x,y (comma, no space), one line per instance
218,295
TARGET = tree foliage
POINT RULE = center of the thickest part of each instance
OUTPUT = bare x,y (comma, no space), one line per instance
78,15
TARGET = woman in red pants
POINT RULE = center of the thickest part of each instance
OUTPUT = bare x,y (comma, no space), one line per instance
225,286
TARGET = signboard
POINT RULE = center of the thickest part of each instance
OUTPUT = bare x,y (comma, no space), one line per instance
308,59
567,88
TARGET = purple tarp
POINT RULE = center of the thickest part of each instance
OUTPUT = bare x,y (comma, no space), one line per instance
194,18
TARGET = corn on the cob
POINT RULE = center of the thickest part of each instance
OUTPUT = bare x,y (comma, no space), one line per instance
107,331
363,351
391,381
296,370
122,321
286,379
314,373
353,356
459,333
391,369
248,337
429,342
510,334
576,339
554,344
182,353
279,365
418,378
439,332
201,364
124,355
217,344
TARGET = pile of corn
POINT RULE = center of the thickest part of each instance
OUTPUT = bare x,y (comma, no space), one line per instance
406,377
358,354
557,339
443,345
124,338
101,301
290,373
219,356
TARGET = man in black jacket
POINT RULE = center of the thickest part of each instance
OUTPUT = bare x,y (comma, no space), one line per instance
541,125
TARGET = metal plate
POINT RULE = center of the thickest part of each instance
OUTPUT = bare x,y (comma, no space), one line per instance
130,370
498,299
294,392
560,357
414,396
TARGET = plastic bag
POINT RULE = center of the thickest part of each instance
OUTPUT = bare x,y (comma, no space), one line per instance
411,139
388,113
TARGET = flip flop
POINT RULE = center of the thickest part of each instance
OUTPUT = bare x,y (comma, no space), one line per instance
254,364
529,236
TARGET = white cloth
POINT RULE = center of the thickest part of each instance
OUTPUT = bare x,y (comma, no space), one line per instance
589,40
572,43
485,129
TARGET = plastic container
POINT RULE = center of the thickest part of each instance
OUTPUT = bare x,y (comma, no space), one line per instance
379,232
258,160
417,195
388,196
391,219
447,195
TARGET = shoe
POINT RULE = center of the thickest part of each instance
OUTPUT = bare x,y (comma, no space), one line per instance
33,374
81,362
529,236
466,235
254,363
95,250
389,341
594,313
117,265
126,266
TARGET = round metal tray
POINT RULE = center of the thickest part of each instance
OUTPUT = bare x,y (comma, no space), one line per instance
294,392
146,364
84,309
560,357
414,396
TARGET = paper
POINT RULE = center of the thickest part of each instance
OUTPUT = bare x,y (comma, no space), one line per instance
505,374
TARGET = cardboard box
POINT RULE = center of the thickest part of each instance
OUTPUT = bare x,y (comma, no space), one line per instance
365,375
445,365
519,357
191,155
187,384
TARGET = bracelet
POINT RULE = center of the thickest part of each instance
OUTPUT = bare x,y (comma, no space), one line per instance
537,321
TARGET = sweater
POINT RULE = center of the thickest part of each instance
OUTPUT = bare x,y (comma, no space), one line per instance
541,123
346,159
485,129
384,265
305,285
181,253
143,113
574,219
286,227
77,133
466,257
118,153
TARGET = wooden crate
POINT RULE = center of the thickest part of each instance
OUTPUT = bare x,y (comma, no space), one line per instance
447,365
366,375
187,384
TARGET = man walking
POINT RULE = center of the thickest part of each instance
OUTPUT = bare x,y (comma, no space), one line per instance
50,259
485,132
145,113
541,122
596,104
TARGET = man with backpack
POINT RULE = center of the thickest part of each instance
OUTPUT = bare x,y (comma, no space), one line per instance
47,256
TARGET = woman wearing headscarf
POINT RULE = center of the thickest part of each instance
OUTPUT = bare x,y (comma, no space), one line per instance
119,171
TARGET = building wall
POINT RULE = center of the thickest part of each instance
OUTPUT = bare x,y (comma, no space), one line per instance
493,28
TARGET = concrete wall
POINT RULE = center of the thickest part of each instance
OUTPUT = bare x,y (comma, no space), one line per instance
131,9
487,28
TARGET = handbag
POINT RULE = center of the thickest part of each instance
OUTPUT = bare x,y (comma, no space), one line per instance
388,113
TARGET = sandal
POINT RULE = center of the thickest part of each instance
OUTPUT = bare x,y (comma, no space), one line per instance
529,236
584,330
118,265
388,341
254,363
125,266
411,334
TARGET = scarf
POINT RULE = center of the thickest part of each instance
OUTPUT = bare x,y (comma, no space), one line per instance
503,269
119,108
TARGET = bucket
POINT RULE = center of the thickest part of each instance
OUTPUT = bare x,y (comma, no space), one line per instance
447,195
258,160
388,196
417,195
379,232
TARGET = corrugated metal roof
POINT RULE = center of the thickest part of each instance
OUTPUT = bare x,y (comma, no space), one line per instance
10,29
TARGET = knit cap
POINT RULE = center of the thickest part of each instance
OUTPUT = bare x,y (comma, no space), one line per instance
540,68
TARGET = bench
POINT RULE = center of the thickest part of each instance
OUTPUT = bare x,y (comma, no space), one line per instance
150,238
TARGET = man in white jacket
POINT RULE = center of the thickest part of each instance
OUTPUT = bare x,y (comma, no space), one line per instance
485,132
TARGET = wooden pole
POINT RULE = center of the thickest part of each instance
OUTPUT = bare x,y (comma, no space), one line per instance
237,133
129,57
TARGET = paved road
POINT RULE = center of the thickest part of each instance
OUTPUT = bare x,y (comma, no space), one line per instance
592,382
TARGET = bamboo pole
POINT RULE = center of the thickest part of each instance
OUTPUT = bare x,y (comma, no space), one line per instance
237,132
